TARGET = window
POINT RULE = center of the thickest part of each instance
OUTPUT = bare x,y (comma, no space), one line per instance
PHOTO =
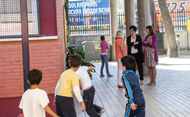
10,18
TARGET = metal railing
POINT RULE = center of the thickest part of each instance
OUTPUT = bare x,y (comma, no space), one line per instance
100,23
179,20
90,24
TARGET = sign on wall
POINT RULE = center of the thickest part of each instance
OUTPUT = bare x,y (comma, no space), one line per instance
88,6
89,12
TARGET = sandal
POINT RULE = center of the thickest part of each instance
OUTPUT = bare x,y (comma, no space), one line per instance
148,84
152,84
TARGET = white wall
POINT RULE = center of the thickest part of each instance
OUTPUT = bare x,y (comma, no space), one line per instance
183,39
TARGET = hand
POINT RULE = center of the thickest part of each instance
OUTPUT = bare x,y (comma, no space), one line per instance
145,42
132,47
54,101
83,106
133,106
136,43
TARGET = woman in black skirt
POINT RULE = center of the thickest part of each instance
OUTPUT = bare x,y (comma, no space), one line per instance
134,44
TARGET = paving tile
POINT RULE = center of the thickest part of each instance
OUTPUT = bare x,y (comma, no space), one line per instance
169,98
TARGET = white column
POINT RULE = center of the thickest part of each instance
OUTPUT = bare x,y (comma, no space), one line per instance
144,19
129,14
114,24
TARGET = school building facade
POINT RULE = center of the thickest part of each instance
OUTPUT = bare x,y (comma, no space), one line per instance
46,51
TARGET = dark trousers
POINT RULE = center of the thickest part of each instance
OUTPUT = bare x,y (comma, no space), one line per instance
65,106
139,65
139,112
88,97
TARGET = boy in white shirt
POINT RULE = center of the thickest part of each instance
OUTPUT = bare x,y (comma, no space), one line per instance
178,44
35,101
88,92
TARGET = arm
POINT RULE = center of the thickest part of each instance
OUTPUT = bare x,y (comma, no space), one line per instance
107,46
90,69
128,90
139,44
76,91
49,111
122,49
154,40
56,88
144,42
129,93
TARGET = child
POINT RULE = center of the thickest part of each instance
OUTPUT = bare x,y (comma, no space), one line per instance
104,57
88,92
178,44
35,101
136,103
67,84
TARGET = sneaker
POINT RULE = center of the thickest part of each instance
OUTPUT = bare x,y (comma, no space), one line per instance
102,111
110,76
102,76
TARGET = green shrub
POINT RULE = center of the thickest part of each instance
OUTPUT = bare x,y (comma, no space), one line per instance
72,51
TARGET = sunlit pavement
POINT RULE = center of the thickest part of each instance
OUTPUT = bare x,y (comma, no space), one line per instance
169,98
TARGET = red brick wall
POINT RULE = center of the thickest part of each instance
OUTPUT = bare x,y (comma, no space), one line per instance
45,55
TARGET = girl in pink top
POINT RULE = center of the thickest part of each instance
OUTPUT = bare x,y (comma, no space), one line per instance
104,57
121,51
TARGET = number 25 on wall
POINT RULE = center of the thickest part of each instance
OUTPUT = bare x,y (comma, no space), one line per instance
175,6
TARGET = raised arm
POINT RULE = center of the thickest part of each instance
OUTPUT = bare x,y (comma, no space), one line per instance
90,69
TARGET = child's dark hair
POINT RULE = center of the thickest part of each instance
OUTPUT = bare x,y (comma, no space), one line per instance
129,62
133,27
35,76
177,35
102,38
75,60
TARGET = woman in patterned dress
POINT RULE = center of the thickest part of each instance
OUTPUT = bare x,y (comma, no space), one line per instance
150,55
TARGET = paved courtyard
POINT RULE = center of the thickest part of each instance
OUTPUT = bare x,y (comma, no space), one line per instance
169,98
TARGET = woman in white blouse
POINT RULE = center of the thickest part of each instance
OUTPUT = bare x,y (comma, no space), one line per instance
134,44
